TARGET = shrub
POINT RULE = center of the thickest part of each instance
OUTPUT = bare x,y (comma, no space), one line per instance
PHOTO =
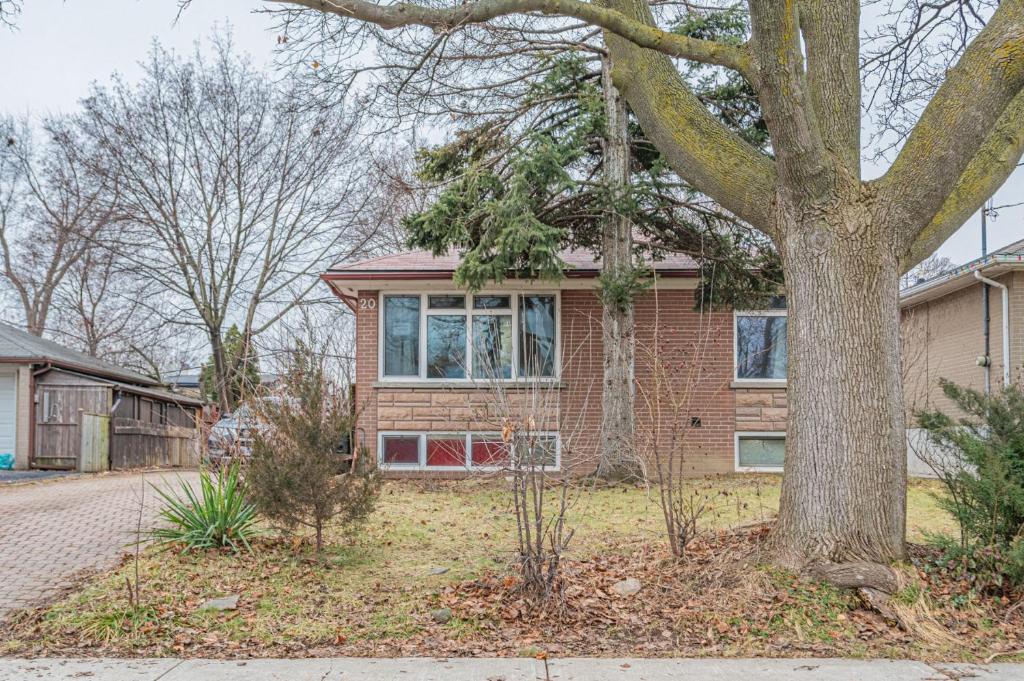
220,516
980,459
298,476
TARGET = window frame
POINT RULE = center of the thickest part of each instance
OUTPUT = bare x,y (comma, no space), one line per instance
736,345
425,313
470,467
420,451
755,435
469,312
421,349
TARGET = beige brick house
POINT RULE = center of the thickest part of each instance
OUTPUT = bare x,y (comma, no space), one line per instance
945,333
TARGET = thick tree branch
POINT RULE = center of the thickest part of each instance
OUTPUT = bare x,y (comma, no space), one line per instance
806,171
956,125
832,40
444,19
696,145
987,171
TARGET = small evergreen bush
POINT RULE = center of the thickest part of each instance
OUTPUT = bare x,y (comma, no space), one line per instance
979,457
298,476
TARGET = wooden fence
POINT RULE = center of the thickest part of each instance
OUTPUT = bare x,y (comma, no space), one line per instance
94,453
136,444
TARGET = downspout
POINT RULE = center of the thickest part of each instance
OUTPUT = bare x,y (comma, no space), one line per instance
986,330
1006,324
986,313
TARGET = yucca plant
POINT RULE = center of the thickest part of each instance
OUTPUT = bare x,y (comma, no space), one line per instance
219,516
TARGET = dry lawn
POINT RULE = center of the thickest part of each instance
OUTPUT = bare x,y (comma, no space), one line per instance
432,545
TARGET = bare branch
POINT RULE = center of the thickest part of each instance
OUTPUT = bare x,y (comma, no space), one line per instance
446,19
957,124
998,157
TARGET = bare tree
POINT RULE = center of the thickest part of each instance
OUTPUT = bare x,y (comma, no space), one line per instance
932,266
844,241
106,309
52,210
234,199
9,10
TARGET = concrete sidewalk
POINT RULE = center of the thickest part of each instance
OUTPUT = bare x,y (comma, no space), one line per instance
501,669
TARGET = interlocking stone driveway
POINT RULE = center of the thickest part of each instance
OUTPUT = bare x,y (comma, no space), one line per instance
51,530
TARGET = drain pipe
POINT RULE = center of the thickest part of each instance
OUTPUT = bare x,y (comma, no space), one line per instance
1006,324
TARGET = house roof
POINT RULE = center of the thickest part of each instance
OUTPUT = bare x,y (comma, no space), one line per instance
192,379
145,391
580,262
994,264
20,346
183,379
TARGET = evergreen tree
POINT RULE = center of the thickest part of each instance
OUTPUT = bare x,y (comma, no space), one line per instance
513,196
979,457
243,371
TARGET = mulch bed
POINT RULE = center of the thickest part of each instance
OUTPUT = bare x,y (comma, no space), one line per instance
719,601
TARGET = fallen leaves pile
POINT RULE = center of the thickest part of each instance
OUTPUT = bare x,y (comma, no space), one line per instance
720,600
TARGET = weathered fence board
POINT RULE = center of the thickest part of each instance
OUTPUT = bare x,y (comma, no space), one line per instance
136,444
95,449
58,438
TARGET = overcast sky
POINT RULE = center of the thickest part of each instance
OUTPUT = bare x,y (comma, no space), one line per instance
58,48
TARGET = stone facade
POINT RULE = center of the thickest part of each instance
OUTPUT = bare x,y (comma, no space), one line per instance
761,409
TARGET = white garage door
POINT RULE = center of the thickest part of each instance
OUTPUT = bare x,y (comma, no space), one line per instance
7,413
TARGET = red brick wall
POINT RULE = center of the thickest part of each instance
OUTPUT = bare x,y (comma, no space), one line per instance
582,378
367,315
684,369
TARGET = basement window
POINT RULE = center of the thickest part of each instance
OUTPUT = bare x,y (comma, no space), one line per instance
460,451
445,451
760,451
400,450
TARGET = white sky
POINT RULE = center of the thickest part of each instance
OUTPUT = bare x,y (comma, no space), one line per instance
58,48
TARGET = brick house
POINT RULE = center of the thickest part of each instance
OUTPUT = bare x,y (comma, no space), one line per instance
455,363
438,368
945,333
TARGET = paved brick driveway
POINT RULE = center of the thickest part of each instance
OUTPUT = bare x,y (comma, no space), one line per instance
53,529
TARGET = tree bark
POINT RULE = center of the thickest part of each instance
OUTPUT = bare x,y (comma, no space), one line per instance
220,373
844,491
618,459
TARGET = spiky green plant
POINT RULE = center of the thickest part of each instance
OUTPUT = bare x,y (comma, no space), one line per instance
219,516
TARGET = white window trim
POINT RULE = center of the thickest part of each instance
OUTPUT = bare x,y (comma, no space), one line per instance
469,312
422,435
736,347
758,435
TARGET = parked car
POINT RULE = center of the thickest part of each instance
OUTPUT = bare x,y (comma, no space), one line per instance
231,437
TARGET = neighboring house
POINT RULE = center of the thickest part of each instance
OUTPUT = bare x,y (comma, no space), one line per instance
190,383
60,408
945,333
438,369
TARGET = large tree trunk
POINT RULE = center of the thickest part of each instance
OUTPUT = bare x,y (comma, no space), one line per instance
618,458
844,491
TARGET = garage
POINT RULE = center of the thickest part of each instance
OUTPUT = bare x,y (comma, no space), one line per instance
8,413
